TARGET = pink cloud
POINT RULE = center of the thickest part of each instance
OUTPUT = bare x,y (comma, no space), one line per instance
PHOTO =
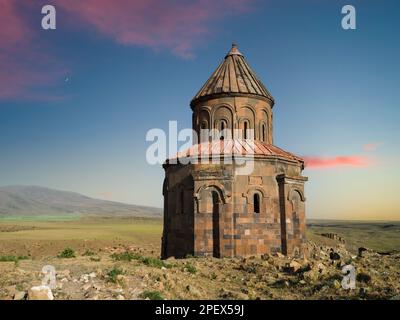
333,162
176,25
24,65
372,146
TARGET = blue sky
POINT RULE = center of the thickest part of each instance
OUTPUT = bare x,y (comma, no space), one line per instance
76,102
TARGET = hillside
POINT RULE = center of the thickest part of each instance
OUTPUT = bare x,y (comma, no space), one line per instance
39,201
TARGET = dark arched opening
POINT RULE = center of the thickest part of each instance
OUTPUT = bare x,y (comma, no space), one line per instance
215,221
256,202
263,132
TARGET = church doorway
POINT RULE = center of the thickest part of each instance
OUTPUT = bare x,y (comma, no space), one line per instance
215,224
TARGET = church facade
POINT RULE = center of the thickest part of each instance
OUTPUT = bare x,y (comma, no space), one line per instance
214,205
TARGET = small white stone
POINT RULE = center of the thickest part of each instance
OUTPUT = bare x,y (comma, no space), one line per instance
40,293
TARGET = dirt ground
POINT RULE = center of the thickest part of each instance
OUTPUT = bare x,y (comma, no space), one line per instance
118,259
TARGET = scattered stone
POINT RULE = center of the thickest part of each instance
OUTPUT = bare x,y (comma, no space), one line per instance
279,255
20,295
333,236
86,287
295,266
63,274
361,250
363,277
194,291
40,293
336,284
311,276
97,287
362,292
334,256
265,256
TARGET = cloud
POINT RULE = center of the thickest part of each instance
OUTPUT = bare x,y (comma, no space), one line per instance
333,162
372,146
24,65
177,25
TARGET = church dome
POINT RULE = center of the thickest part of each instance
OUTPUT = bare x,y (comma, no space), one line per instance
233,77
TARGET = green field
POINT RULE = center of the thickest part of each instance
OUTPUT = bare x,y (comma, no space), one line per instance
47,235
45,218
379,236
40,238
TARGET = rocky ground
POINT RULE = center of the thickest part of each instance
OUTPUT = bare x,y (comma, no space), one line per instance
129,272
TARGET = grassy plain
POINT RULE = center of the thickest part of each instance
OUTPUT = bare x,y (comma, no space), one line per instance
40,238
48,235
118,258
376,235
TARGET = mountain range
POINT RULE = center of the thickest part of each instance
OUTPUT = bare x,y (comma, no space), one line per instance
35,201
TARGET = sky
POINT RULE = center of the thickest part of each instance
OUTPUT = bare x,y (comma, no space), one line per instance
76,102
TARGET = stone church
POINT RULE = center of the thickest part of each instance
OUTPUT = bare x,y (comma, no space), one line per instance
213,209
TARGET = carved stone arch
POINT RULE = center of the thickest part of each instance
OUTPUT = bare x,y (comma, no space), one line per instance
251,108
253,113
217,115
300,192
250,196
225,197
291,195
221,118
267,113
205,116
207,108
251,190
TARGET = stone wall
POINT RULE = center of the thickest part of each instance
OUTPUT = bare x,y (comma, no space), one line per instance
220,216
235,112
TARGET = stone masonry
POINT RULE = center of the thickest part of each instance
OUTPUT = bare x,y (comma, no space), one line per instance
211,208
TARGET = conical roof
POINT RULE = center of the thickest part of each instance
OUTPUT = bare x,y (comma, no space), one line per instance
233,77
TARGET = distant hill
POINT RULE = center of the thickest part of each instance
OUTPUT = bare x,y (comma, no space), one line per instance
35,201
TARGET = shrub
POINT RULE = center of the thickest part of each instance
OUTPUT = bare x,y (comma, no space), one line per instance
113,274
88,253
67,253
149,261
126,256
190,268
154,262
12,258
152,295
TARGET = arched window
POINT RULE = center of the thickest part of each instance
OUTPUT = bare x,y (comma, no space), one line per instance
263,132
204,125
222,128
245,128
256,202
